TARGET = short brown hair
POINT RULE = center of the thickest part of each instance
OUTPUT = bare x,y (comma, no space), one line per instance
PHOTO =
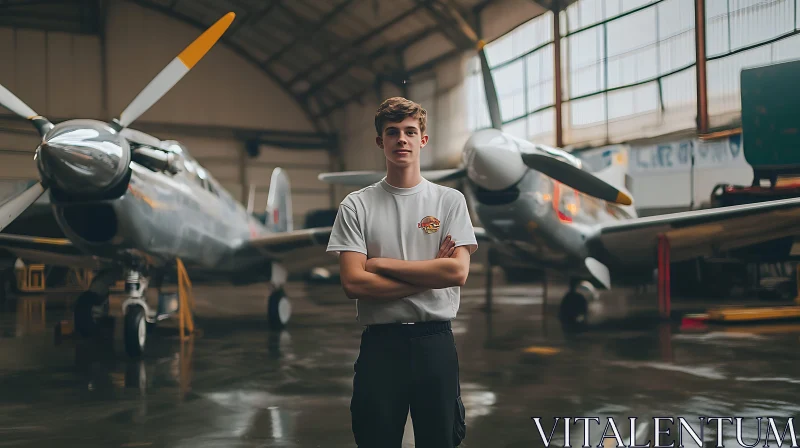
397,109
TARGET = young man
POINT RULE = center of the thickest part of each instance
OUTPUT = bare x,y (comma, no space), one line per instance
404,248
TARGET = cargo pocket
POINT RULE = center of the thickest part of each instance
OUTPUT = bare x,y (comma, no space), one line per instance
459,423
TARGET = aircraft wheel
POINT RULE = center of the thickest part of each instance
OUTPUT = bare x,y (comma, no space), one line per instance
90,308
135,330
279,310
574,311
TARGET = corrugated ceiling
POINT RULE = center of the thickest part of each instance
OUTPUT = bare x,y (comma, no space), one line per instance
325,53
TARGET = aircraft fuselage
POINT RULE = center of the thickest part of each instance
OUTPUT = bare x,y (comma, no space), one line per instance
531,217
145,214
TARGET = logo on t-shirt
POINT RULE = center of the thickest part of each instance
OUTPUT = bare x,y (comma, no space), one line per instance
429,224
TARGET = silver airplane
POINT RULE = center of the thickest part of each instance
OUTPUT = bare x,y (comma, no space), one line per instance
131,205
542,207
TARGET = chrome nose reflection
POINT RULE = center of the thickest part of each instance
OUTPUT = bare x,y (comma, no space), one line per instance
82,157
493,160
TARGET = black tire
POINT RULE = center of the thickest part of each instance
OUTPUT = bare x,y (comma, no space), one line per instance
279,310
86,324
135,331
574,311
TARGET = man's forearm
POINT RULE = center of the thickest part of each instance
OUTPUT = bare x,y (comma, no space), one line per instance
432,274
369,286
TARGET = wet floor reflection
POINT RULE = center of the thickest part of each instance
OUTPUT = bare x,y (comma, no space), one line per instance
237,384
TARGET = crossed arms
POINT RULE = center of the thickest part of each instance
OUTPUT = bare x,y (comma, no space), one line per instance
385,279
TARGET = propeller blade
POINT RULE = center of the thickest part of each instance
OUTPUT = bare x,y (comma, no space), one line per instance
14,104
364,178
11,209
575,177
444,175
490,90
173,72
488,81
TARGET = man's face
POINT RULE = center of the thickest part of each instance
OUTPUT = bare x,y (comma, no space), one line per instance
401,142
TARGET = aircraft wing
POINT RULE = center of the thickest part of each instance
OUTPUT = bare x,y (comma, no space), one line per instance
55,251
297,250
302,249
695,233
480,234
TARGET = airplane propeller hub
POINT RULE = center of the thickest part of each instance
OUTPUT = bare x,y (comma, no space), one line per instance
83,157
493,160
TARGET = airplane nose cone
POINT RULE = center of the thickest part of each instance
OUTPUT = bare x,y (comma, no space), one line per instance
493,160
83,158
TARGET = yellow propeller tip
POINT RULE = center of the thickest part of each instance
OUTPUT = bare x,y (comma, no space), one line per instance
623,199
481,44
197,49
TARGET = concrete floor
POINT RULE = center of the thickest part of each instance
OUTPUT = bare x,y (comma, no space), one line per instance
236,385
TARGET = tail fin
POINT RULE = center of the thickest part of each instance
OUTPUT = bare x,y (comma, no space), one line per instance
615,173
279,203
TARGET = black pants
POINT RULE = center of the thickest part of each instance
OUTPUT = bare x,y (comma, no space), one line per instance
407,367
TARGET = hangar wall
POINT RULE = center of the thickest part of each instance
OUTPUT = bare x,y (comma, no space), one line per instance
64,76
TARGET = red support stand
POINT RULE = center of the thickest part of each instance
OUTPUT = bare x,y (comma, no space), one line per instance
663,277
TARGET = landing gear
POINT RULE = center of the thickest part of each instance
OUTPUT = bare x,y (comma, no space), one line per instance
137,314
279,310
135,330
139,319
574,310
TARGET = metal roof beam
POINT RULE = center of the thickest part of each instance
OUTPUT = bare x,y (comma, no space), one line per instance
343,102
443,14
254,17
307,34
345,65
238,50
352,45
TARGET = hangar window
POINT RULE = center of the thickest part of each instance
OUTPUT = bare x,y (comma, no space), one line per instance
629,66
521,63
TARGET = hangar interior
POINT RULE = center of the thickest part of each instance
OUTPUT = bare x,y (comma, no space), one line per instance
291,86
296,84
666,95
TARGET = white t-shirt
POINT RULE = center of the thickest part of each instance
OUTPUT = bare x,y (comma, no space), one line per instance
383,221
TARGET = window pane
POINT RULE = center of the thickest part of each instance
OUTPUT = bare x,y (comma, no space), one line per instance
632,49
587,111
632,101
541,125
516,128
540,78
585,51
477,111
754,21
676,35
509,81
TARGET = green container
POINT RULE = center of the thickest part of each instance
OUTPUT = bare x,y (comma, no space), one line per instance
771,117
